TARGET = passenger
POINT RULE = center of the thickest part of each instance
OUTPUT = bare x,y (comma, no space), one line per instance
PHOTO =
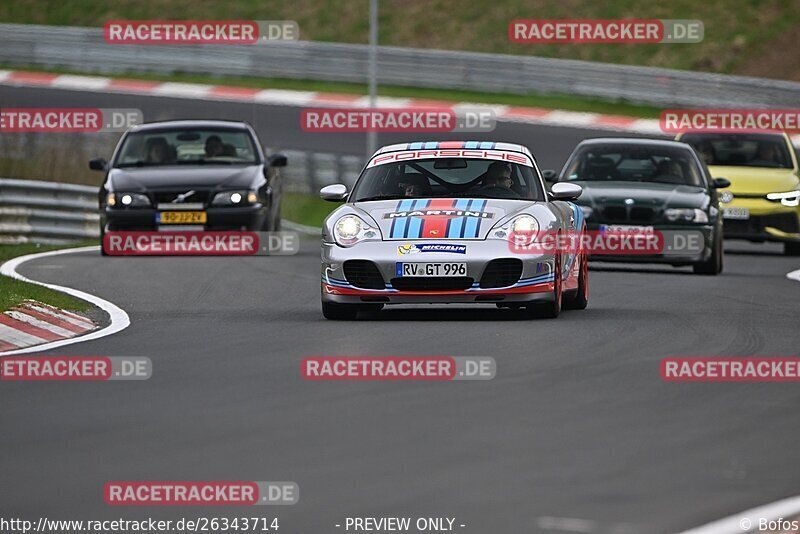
413,185
214,146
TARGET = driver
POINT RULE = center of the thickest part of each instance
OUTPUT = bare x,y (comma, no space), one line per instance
669,168
157,150
498,175
767,156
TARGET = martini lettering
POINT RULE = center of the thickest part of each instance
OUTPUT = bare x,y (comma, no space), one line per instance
432,213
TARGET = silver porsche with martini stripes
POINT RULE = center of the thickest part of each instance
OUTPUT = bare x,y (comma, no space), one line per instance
435,223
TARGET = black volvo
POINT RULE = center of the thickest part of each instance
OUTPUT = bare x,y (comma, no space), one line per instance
190,175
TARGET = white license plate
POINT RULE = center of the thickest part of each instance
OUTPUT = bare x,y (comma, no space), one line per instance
626,229
741,214
431,269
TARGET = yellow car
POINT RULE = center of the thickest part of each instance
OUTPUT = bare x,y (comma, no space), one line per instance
763,201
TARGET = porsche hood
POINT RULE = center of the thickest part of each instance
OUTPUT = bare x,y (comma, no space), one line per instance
439,218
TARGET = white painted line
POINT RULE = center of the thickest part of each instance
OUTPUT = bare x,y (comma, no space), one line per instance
119,319
566,524
747,521
794,275
302,228
86,83
18,337
183,90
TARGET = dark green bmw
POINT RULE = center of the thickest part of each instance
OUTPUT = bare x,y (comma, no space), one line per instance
649,186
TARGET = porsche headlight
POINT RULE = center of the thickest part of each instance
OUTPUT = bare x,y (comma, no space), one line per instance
127,200
686,215
523,224
788,198
235,198
350,229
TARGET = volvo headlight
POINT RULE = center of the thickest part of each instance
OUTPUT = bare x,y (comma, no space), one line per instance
235,198
788,198
127,200
522,224
686,215
350,229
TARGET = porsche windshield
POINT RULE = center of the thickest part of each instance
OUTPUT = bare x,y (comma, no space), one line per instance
187,147
632,163
448,178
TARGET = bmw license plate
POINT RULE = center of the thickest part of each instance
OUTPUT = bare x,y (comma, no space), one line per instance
626,229
431,269
181,217
739,214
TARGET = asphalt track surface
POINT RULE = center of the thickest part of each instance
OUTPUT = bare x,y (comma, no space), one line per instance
577,423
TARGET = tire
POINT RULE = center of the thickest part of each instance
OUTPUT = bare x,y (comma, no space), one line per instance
339,312
712,266
549,310
581,298
791,248
102,236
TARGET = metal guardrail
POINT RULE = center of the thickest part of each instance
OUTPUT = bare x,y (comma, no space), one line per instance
47,212
33,211
83,49
307,172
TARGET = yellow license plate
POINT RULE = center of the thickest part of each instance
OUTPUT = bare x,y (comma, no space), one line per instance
181,217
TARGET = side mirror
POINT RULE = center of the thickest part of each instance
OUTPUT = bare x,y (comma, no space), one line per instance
550,176
721,183
98,164
565,191
333,193
277,160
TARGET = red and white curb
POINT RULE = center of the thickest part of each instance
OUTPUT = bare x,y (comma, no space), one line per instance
284,97
34,323
593,121
34,327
